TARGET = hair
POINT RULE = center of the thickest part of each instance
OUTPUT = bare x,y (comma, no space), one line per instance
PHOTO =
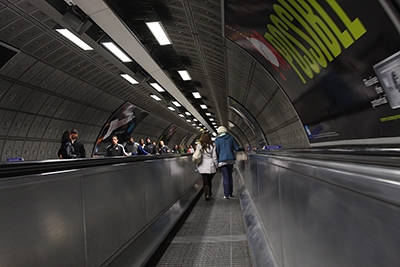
65,137
222,129
205,141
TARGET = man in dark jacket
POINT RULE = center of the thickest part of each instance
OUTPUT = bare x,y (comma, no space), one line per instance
225,144
78,146
133,148
150,147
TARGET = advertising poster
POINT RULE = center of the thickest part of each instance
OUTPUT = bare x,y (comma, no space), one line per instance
167,134
330,57
121,124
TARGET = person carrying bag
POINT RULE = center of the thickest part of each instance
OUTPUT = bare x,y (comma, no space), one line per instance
208,162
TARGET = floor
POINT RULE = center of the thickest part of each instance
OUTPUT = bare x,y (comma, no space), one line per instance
213,234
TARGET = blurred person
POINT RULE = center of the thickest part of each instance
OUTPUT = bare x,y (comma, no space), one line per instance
141,143
150,147
181,150
209,163
78,145
115,149
66,151
133,148
225,146
191,149
175,150
164,149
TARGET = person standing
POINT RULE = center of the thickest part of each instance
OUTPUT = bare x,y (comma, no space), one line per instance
209,162
67,150
79,147
175,150
133,148
225,146
150,147
115,149
164,149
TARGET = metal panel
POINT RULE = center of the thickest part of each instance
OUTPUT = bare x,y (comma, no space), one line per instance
157,187
42,223
114,209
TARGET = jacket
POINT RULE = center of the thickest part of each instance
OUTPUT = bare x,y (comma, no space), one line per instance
209,161
67,151
225,145
79,148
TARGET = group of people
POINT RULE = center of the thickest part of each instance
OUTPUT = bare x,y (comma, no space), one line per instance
133,148
71,147
217,156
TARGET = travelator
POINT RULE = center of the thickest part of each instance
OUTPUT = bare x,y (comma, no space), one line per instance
301,208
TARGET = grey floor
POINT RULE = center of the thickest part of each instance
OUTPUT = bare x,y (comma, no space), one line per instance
213,234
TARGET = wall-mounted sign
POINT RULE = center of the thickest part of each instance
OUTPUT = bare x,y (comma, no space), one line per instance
322,53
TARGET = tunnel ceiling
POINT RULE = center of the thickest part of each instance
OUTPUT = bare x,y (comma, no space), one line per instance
52,85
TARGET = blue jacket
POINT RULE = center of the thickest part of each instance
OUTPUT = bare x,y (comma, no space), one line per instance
225,146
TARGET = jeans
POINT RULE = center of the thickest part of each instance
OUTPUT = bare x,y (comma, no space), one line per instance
228,180
207,180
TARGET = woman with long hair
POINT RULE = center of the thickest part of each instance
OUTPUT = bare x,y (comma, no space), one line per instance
67,150
209,162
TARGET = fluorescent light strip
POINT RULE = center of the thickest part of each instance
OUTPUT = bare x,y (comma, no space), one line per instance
116,51
195,120
181,115
73,38
211,119
185,75
129,79
176,103
157,87
188,113
171,108
214,123
196,94
188,120
208,114
194,124
158,32
155,97
203,106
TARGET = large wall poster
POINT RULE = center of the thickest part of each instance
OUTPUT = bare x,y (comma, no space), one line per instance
322,53
122,123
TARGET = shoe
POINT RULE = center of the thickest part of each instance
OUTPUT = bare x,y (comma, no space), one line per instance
232,196
225,197
207,198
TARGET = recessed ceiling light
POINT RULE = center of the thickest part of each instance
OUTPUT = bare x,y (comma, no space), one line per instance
200,124
155,97
184,74
211,119
196,94
176,103
214,123
129,78
171,108
181,115
116,51
194,124
73,38
157,87
188,113
194,119
203,106
208,114
188,120
158,31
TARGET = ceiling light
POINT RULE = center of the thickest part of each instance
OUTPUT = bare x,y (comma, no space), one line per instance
158,31
129,78
171,108
196,94
188,113
73,38
176,103
188,120
194,119
214,123
211,119
181,115
203,106
231,125
185,75
157,87
198,127
208,114
116,51
194,124
155,97
200,124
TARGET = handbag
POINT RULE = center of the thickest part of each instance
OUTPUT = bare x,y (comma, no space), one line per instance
196,158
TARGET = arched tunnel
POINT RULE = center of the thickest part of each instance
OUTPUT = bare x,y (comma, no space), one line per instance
309,88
